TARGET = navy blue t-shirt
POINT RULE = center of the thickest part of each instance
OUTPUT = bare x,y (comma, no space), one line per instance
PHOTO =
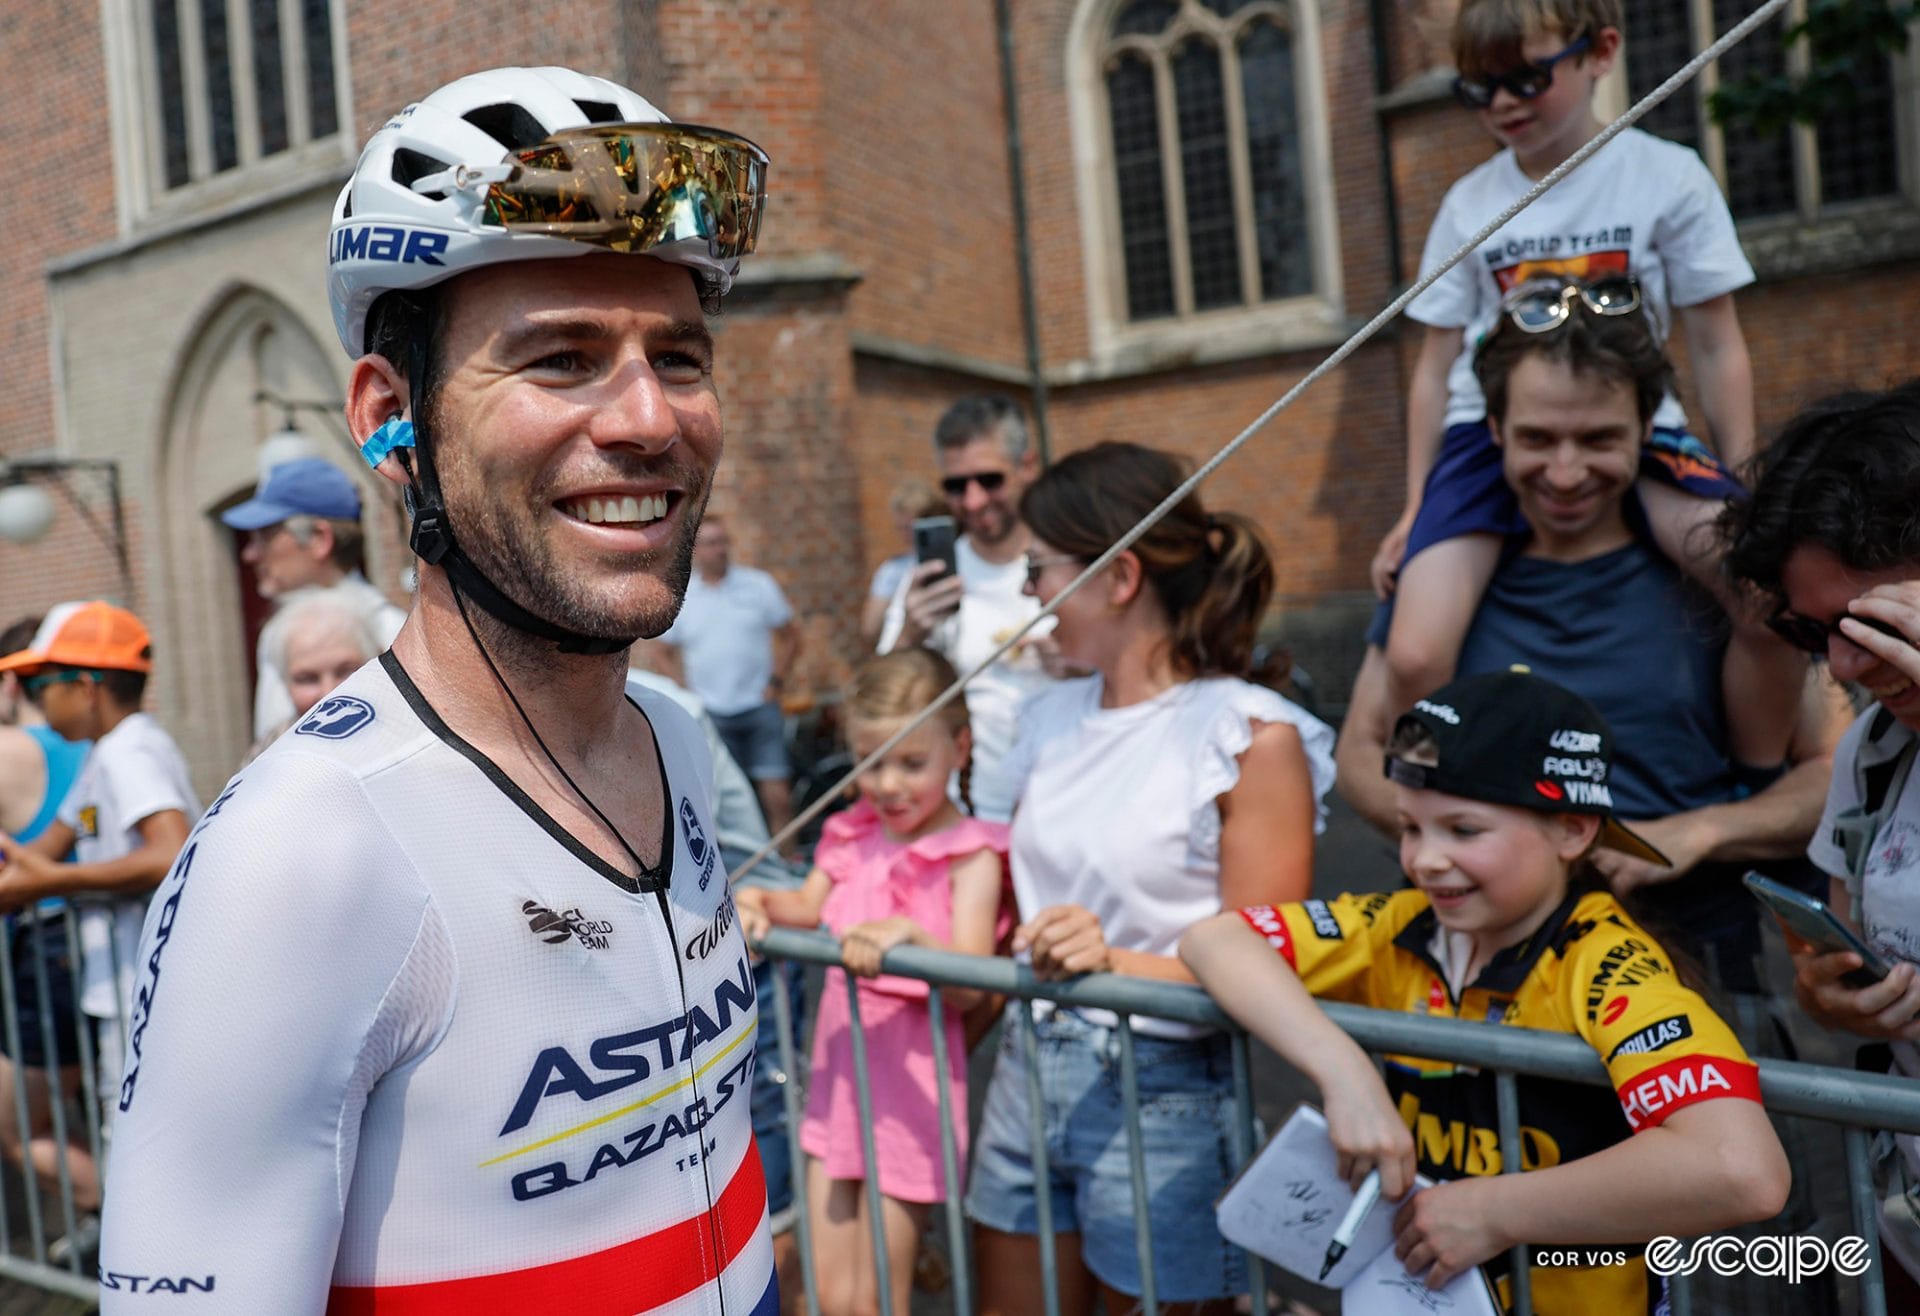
1641,644
1629,633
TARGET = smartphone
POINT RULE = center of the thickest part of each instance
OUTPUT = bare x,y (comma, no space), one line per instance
1814,923
933,538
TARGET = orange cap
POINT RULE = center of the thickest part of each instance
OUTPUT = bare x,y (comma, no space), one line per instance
93,634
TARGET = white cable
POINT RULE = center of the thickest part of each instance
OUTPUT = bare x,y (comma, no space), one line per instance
1685,74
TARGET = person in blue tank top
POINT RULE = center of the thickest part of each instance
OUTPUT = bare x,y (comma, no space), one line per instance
37,769
1588,601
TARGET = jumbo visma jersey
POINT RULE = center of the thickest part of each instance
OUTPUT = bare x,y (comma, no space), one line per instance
1589,971
402,1045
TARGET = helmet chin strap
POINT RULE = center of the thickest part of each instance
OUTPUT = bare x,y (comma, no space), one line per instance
431,538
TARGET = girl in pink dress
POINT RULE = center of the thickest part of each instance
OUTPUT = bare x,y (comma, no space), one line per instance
903,866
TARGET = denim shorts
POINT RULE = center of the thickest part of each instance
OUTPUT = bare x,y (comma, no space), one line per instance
757,739
1186,1129
40,952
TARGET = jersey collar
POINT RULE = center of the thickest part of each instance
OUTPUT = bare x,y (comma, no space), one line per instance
1510,966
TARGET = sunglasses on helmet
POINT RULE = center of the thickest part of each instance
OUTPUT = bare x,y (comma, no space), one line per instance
628,187
1540,305
1526,82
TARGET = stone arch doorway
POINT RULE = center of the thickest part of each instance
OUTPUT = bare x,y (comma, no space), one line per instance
246,343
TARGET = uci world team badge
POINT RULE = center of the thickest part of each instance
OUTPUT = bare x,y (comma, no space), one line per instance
697,844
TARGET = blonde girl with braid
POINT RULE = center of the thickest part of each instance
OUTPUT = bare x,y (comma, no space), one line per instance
904,866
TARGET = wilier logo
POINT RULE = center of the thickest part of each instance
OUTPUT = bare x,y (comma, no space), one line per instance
567,925
708,939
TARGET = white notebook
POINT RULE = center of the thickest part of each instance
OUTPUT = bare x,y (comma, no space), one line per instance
1286,1204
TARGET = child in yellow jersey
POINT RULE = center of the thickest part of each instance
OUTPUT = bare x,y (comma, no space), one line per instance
1501,782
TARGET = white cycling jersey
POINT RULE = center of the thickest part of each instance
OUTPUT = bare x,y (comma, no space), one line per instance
401,1044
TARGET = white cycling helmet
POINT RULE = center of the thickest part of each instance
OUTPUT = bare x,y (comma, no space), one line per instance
526,164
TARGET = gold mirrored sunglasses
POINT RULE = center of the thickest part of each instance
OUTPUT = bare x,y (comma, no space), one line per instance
631,187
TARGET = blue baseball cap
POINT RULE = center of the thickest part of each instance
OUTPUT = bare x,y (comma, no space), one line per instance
307,486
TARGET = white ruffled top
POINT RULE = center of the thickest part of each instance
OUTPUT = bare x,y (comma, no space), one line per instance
1119,807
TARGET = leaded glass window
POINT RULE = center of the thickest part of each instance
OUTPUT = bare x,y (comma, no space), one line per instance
232,82
1851,155
1204,115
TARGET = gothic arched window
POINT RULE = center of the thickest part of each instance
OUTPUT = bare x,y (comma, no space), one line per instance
1207,114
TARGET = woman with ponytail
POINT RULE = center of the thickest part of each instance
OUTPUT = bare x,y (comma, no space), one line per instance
1154,793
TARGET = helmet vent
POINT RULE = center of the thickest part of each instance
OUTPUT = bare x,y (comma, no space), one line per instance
599,111
508,124
409,164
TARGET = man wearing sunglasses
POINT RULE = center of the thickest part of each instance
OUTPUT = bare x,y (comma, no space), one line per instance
985,465
445,1007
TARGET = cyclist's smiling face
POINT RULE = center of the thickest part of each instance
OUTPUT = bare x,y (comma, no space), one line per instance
577,428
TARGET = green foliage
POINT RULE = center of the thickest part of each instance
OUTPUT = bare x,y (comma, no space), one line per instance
1841,37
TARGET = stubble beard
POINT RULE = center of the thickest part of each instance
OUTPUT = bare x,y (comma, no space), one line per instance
512,553
1002,522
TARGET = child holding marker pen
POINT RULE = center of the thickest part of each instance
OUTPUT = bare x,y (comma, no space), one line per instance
1501,788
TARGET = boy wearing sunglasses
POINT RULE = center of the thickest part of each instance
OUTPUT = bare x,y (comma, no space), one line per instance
126,815
1641,226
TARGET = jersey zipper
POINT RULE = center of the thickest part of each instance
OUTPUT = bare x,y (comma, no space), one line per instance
712,1232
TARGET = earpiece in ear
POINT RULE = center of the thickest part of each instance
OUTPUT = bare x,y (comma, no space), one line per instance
396,433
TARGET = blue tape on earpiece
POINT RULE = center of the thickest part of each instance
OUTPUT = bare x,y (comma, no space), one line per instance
396,433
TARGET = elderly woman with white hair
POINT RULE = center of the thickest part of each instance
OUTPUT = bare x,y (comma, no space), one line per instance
323,638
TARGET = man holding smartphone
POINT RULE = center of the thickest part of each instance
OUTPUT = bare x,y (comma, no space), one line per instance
968,612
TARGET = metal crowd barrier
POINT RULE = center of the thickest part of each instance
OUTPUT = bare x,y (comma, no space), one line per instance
28,931
1858,1103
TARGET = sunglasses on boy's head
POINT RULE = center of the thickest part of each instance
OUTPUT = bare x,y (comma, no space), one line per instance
1526,82
1810,634
1540,305
955,486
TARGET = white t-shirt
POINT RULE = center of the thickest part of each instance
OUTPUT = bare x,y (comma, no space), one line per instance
1640,206
1081,836
134,772
272,704
992,608
725,633
402,1041
1888,910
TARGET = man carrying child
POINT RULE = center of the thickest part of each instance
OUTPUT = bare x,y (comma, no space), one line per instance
1641,224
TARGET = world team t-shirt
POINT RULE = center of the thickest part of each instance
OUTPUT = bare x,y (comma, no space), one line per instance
1640,206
